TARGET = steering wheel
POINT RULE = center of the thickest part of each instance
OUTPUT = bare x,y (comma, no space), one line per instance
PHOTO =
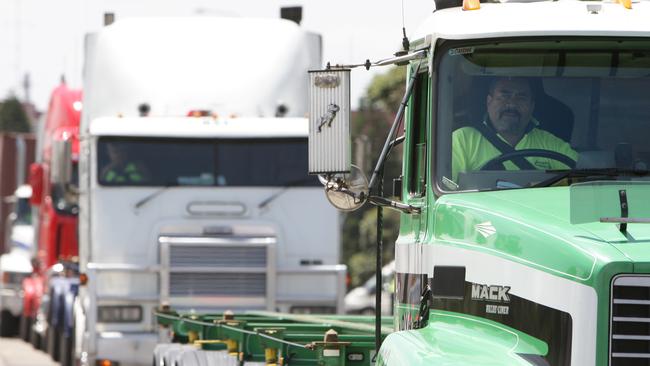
496,163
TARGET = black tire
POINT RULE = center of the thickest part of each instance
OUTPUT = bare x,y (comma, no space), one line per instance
8,324
66,350
25,328
35,338
52,340
42,345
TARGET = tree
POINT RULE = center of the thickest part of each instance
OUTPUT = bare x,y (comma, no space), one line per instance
386,90
13,117
370,126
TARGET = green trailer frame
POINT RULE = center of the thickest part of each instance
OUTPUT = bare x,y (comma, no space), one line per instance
278,338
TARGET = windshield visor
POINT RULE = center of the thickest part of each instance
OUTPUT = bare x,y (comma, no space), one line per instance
509,111
193,162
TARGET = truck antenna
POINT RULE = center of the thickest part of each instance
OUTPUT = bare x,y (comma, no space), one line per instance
405,40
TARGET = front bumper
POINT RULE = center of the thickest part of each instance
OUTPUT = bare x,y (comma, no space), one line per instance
127,348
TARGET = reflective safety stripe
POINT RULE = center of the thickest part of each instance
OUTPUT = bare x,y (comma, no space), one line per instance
470,150
129,174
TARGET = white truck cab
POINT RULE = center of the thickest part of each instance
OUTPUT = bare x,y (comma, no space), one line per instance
193,180
216,223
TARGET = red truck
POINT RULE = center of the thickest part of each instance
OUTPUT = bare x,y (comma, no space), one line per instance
49,293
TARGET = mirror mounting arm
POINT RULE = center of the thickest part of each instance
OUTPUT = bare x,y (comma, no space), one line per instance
399,206
399,59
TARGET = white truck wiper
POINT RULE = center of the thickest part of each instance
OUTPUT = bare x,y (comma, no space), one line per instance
584,173
285,187
152,195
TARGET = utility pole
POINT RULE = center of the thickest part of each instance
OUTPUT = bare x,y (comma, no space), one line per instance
27,86
17,25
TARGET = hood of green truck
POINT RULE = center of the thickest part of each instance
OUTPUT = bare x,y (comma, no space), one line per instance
539,227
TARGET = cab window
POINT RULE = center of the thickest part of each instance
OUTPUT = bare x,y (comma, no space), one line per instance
417,115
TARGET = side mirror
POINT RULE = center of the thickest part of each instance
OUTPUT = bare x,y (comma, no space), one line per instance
36,182
329,122
330,145
61,169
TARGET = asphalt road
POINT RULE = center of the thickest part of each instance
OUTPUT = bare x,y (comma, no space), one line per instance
15,352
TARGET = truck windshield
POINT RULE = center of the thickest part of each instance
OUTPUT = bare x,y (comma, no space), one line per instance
201,162
511,113
23,212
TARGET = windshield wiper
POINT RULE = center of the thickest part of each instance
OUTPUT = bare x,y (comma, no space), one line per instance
286,186
152,195
584,173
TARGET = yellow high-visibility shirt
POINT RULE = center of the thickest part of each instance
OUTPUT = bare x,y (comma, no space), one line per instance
471,150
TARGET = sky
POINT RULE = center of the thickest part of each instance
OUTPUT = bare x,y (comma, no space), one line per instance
44,38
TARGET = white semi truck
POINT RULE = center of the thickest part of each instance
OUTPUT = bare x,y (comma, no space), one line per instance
192,180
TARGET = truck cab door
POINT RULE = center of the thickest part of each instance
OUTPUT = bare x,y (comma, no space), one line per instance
414,190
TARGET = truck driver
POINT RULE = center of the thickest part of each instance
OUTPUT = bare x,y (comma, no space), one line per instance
120,170
509,126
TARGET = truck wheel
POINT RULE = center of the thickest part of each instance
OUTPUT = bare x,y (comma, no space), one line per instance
66,349
53,338
35,338
8,324
25,326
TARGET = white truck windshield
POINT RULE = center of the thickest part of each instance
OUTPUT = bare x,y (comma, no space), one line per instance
508,112
193,162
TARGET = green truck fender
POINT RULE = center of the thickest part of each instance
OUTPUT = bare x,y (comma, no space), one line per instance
458,339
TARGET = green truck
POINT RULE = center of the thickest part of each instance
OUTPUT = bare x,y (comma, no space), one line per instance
524,194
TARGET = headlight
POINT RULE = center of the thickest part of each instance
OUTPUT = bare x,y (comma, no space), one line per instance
119,314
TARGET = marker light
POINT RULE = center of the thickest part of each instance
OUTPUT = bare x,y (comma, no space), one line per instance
106,363
83,279
201,113
471,4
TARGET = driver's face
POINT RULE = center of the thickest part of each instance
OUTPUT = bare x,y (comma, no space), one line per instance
116,154
510,105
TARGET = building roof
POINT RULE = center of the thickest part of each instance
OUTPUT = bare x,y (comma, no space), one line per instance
546,18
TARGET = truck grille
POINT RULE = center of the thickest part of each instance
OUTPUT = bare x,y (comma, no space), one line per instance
211,284
216,267
630,321
217,256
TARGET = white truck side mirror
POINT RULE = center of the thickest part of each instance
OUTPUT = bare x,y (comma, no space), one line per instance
61,170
